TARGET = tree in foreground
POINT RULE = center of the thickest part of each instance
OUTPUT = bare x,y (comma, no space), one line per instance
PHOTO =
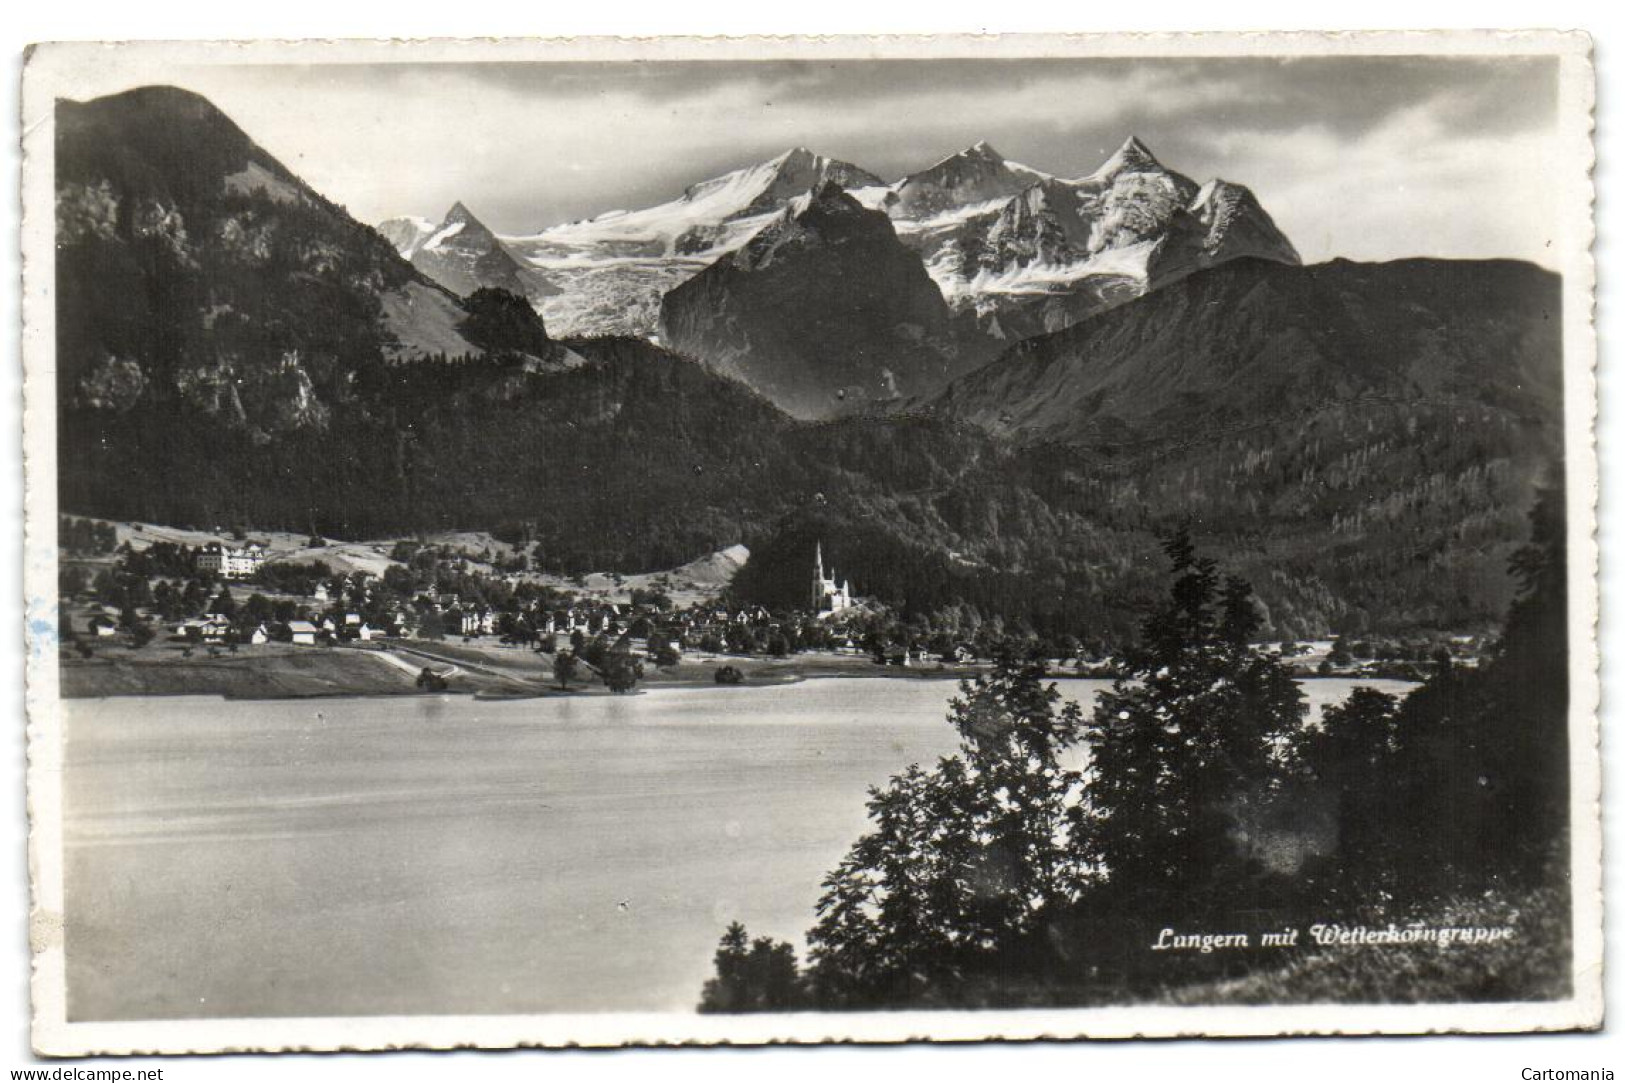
1463,785
1002,876
1188,752
753,976
963,861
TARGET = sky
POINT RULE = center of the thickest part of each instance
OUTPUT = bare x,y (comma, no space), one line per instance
1364,158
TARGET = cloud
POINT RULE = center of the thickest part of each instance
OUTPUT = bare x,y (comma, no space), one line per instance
1366,157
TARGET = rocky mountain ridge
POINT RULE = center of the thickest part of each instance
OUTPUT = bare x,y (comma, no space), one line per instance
463,255
822,311
197,273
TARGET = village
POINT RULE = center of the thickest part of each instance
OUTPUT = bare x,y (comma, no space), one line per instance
145,614
455,621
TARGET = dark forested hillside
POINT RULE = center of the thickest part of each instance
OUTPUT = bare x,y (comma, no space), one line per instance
1254,341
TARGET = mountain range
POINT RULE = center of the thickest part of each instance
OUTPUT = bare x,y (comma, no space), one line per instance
1009,250
1363,441
1021,250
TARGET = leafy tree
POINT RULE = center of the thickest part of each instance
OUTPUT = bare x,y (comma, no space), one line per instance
651,598
621,671
1465,783
743,639
1186,750
564,669
963,862
224,604
594,651
1347,761
729,675
752,976
663,651
1528,680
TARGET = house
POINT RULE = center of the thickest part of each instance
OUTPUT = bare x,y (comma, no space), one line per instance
210,629
229,563
103,626
366,633
302,633
259,635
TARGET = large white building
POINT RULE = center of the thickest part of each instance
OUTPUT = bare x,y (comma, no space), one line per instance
229,563
829,597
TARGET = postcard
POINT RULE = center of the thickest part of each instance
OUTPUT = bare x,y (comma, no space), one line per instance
631,542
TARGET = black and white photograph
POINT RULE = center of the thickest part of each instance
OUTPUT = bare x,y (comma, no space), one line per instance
612,542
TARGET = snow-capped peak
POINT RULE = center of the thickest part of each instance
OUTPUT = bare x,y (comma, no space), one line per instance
765,187
974,175
980,153
793,156
1132,157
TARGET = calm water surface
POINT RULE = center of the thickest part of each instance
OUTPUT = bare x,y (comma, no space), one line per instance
451,856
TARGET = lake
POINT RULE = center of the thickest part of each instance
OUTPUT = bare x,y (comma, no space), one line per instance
444,855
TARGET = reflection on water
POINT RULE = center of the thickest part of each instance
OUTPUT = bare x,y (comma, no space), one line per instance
445,855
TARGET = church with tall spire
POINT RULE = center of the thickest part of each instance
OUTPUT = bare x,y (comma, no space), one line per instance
828,596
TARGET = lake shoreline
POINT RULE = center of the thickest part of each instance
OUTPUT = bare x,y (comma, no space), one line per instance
278,672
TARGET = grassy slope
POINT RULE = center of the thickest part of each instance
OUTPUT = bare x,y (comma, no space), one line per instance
254,673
